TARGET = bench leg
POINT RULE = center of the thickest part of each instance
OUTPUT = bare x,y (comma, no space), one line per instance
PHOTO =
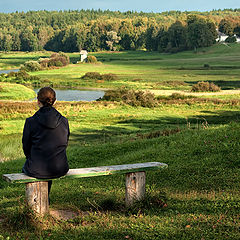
135,187
37,196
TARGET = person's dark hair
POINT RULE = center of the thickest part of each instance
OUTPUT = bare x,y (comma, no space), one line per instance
46,96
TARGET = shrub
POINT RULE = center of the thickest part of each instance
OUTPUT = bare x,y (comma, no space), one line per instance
205,87
98,76
31,66
21,77
56,60
131,97
173,83
91,59
109,76
44,62
206,65
180,96
92,75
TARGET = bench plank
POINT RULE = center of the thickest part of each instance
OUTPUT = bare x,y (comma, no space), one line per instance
90,172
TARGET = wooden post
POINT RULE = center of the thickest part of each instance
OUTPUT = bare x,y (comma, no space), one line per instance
135,187
37,196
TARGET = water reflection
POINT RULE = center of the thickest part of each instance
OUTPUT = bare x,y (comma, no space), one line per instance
77,95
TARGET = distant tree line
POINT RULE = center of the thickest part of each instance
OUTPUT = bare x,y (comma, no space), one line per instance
70,31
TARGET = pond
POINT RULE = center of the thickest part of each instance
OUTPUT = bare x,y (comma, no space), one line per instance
77,95
70,95
8,71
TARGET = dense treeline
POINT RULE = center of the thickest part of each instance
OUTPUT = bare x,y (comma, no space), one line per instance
70,31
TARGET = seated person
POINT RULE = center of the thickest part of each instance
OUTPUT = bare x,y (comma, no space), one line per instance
45,139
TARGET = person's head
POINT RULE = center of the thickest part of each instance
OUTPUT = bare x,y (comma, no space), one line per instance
46,97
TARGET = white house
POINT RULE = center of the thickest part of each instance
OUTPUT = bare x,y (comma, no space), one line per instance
238,38
83,54
222,37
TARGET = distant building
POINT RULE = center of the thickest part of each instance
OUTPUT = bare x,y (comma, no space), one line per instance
221,37
83,54
238,38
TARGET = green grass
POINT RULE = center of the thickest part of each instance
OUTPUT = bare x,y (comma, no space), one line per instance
145,70
10,91
13,60
197,197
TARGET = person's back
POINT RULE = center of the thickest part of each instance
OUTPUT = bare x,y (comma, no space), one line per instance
45,139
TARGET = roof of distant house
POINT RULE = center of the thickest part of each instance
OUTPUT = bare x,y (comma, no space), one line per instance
221,34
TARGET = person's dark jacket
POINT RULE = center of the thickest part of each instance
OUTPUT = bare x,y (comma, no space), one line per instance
45,139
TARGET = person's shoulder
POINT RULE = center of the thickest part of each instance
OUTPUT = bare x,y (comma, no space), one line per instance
64,119
30,119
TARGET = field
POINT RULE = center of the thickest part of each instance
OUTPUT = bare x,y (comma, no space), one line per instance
143,70
197,197
151,70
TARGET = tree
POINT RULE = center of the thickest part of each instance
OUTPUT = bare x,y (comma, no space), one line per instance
177,36
44,34
16,42
226,26
29,41
237,30
112,38
200,33
126,32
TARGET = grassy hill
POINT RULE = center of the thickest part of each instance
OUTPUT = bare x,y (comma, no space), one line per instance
10,91
197,197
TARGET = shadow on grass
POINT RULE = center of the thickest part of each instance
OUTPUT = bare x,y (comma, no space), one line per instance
132,127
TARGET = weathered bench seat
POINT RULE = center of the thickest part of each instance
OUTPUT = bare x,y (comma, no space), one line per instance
37,189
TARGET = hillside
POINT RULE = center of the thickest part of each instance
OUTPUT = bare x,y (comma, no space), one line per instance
70,31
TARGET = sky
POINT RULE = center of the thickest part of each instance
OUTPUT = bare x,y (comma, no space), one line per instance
116,5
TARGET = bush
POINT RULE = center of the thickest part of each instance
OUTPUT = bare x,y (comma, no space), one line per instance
31,66
173,83
56,60
180,96
44,62
98,76
131,97
205,87
21,77
92,59
109,76
92,75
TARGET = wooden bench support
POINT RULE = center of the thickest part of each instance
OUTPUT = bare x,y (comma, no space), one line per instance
37,197
135,187
37,189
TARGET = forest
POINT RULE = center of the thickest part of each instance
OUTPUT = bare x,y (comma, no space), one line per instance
96,30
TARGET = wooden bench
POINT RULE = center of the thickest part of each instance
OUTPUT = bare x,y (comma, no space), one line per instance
37,189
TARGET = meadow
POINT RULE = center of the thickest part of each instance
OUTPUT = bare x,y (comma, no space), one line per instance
142,70
197,197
